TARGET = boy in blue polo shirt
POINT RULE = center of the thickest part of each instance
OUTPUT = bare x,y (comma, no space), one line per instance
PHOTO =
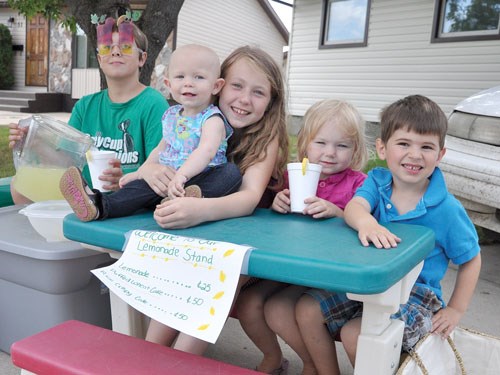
413,191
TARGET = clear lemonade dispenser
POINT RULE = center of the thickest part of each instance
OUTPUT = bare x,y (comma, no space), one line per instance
49,148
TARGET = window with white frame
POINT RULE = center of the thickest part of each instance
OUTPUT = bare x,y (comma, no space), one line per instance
345,23
463,20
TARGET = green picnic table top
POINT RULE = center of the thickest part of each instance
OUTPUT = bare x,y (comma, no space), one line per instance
290,248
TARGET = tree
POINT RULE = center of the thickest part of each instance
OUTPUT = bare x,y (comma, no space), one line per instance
157,21
473,15
6,76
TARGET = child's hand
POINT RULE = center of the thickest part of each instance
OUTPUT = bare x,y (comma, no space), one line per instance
378,235
157,176
16,133
445,321
282,202
176,186
112,175
128,177
321,209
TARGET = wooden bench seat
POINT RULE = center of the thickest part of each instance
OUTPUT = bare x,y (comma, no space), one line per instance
74,347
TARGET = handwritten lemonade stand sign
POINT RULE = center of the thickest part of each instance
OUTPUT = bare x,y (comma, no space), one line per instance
185,283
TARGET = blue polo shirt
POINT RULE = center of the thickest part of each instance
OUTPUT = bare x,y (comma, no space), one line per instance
456,236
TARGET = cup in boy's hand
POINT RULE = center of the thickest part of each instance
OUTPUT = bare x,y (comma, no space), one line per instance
98,161
303,180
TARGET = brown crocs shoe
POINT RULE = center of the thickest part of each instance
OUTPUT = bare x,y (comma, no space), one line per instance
79,196
191,191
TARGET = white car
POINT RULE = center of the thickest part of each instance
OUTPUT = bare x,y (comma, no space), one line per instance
472,161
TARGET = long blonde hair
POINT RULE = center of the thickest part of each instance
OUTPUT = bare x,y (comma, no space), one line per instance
346,116
249,145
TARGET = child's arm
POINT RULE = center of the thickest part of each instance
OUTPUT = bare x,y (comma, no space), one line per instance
357,215
155,174
445,320
281,202
213,133
153,158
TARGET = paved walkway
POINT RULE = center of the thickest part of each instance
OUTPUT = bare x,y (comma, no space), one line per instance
8,117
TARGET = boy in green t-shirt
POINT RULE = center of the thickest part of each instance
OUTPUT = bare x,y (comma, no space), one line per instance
125,117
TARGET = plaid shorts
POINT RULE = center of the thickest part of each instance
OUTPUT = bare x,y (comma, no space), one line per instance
416,314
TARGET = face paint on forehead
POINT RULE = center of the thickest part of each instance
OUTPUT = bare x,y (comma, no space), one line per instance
105,32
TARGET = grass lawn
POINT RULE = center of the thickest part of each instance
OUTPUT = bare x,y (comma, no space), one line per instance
6,164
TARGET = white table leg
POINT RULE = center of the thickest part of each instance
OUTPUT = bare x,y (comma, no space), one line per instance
124,318
379,343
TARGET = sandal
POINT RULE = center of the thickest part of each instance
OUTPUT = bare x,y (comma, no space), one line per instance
282,370
78,194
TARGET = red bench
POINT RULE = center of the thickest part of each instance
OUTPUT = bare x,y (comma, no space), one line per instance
75,347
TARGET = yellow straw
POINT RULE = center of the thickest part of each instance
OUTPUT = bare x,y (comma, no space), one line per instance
305,161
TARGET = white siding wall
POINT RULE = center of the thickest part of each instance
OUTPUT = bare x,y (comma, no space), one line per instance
18,32
84,82
227,24
399,60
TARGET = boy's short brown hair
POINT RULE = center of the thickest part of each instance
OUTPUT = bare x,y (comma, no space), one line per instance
414,113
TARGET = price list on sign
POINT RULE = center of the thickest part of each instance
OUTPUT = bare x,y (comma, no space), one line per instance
185,283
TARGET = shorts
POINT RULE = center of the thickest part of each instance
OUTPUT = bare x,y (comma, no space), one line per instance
336,308
416,314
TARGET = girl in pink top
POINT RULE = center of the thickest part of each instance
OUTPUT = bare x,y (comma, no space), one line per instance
332,136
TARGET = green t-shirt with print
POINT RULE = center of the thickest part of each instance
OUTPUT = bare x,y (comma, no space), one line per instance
132,129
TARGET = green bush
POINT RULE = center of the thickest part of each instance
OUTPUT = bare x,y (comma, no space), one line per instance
6,54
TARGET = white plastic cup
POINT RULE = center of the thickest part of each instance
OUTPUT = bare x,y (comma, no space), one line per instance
302,186
98,161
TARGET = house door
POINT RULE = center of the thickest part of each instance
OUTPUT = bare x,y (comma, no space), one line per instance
37,51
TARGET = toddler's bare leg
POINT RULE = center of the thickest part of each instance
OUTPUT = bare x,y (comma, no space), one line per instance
349,335
160,333
250,312
190,344
280,315
316,336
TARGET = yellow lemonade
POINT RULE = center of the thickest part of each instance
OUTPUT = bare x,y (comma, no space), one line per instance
39,184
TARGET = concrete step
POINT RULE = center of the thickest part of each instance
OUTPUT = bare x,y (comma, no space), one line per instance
20,102
9,94
30,102
10,108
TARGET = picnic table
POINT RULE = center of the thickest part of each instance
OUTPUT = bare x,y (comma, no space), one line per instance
300,250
